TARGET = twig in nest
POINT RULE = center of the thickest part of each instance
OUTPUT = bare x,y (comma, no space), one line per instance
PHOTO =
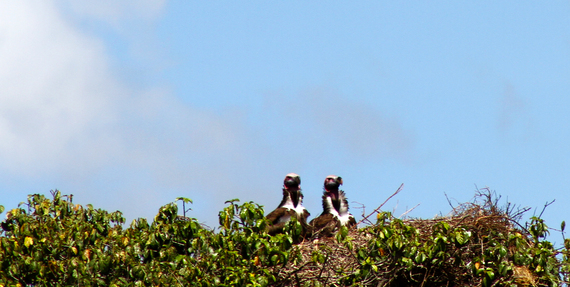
449,201
376,210
515,212
409,210
324,265
300,268
395,207
522,227
362,206
368,221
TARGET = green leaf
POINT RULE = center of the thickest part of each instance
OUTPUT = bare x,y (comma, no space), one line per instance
502,251
485,282
231,201
462,237
490,274
186,200
420,258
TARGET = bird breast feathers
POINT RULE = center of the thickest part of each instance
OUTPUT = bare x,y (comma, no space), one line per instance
299,209
344,219
342,215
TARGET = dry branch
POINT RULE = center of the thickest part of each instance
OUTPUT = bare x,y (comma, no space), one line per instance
378,208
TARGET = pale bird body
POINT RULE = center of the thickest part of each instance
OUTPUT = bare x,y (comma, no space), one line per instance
291,206
335,209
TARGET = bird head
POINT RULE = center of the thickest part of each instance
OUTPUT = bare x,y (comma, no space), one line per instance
292,180
332,182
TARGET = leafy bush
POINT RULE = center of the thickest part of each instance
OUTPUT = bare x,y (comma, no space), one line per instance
53,242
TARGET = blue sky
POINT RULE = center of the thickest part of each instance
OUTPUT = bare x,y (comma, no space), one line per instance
128,105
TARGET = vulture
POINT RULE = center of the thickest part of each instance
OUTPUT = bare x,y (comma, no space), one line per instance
335,209
291,206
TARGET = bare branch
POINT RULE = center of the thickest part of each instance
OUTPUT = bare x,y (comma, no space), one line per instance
377,209
362,206
545,206
409,210
448,201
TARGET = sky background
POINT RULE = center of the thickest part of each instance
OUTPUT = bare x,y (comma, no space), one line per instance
130,104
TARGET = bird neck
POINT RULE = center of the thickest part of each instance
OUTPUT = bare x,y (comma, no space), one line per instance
333,193
293,196
336,200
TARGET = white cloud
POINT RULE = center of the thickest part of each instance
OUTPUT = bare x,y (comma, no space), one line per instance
64,114
55,89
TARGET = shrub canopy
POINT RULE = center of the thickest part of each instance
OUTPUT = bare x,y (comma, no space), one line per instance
53,242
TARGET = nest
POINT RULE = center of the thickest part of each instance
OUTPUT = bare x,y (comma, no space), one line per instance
482,220
337,258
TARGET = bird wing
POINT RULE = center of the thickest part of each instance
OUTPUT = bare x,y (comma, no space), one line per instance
324,225
280,214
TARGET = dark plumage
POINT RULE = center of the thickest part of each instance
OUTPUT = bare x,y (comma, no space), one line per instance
335,209
291,206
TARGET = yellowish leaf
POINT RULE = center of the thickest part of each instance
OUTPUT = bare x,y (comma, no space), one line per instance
87,254
256,261
28,241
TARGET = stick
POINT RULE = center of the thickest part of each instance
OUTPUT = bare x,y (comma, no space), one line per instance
362,206
449,201
545,206
409,210
376,210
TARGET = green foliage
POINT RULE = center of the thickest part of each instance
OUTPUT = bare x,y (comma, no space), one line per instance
52,242
461,253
